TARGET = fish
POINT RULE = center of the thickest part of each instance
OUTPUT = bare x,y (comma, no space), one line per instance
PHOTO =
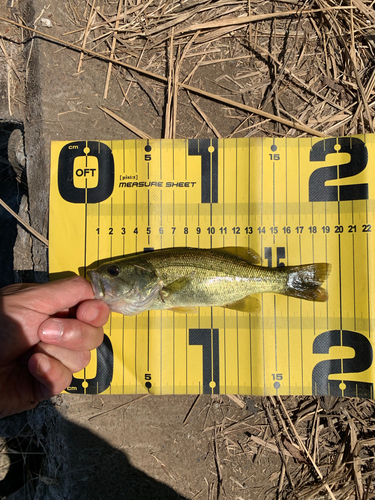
183,279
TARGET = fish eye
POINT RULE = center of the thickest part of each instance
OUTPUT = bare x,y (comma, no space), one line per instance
113,271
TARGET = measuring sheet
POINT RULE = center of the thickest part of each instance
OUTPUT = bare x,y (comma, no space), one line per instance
294,201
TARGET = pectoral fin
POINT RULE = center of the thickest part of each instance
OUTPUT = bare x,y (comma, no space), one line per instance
247,305
175,287
244,253
178,285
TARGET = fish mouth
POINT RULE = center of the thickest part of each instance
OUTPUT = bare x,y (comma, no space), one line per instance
134,301
97,284
101,288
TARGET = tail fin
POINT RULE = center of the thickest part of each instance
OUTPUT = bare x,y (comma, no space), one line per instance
304,281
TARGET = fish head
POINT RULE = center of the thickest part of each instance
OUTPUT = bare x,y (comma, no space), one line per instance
125,286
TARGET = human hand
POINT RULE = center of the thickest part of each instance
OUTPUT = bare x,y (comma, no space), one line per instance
46,334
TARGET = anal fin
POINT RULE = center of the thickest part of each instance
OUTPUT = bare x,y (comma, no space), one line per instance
248,304
184,310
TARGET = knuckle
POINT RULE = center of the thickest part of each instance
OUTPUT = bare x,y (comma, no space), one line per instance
91,337
99,337
62,383
85,358
68,381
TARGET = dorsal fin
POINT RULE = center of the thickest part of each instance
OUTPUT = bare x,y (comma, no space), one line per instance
244,253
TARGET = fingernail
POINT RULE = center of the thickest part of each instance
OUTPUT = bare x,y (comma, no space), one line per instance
52,330
90,314
43,366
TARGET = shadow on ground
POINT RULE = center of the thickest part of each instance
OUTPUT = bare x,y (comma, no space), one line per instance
11,193
83,466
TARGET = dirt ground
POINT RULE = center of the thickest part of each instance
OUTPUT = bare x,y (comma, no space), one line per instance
170,447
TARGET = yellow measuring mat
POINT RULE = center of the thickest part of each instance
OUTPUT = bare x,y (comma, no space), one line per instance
293,201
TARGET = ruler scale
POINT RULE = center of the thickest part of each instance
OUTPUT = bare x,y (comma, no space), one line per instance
294,201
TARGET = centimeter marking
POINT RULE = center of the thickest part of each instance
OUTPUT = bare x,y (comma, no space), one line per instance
230,214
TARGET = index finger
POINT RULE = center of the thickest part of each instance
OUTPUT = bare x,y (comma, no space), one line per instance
56,296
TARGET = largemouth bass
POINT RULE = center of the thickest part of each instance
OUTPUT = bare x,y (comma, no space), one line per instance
181,279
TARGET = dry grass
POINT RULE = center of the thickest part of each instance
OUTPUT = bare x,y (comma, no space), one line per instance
275,68
323,447
282,68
